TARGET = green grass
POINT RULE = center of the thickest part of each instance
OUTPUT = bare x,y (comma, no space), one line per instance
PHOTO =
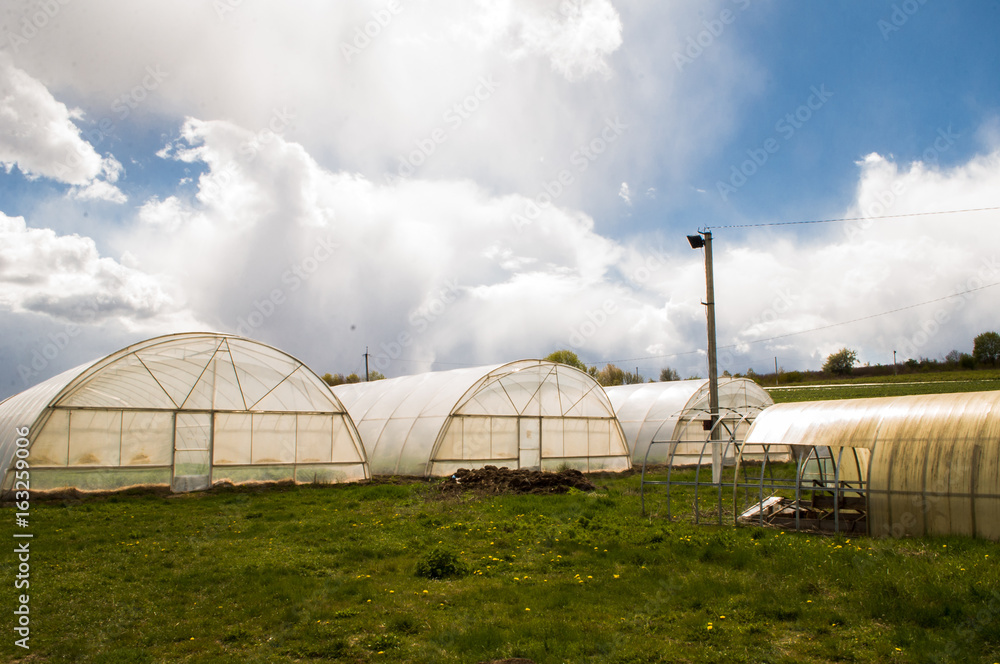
308,574
886,386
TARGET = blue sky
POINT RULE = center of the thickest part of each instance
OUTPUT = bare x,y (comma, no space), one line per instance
235,166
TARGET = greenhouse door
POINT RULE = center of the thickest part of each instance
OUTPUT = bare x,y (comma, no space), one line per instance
192,452
529,442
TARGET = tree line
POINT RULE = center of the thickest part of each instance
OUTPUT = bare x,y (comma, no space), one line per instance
610,375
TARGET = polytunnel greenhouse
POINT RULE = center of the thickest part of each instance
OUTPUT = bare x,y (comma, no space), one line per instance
185,410
526,414
890,466
677,414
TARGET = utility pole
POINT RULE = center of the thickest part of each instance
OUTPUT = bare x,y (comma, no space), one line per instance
893,363
704,239
366,364
775,370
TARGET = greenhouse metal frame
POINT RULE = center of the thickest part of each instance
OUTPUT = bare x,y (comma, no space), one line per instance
890,466
524,414
670,423
184,410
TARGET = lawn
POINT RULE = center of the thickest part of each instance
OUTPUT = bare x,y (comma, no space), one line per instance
889,386
328,573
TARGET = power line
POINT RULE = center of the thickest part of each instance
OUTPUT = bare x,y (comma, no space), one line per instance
884,313
831,221
814,329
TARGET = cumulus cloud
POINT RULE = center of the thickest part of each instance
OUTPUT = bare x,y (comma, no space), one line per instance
65,278
577,36
39,135
782,285
418,270
41,139
366,113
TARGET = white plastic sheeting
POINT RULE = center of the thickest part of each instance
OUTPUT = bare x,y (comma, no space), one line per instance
186,410
526,414
676,411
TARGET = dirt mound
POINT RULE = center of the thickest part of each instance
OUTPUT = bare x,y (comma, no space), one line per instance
491,479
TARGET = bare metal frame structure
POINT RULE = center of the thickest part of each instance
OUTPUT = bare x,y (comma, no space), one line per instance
722,438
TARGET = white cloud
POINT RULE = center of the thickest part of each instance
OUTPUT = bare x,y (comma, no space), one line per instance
623,193
65,278
776,285
38,135
577,36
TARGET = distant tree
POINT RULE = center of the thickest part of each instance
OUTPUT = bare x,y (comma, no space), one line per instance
727,374
334,380
966,361
841,363
668,374
954,357
610,375
633,378
567,357
986,348
375,375
353,378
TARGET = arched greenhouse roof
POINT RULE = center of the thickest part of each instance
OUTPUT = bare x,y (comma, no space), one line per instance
675,410
929,464
221,406
529,413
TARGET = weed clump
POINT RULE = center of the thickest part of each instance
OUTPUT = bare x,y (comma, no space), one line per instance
440,563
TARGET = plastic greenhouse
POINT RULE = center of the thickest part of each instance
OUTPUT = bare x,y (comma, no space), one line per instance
677,412
185,410
896,466
526,414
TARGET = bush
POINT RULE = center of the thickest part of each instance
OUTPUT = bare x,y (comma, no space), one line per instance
841,362
441,563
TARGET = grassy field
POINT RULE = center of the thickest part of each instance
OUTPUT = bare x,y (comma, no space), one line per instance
330,573
889,386
307,573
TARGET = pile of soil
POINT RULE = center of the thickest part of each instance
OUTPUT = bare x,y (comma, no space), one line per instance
491,479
